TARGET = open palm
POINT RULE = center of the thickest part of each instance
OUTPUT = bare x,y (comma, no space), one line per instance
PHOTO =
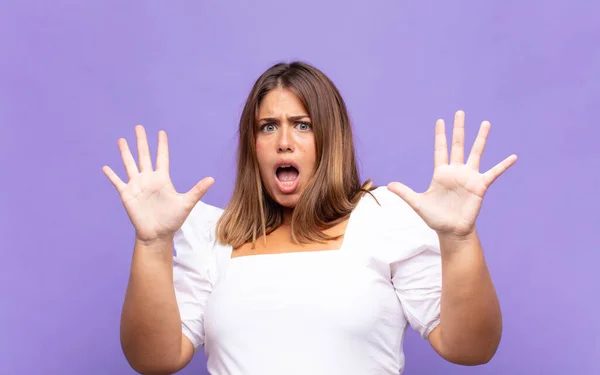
453,200
154,207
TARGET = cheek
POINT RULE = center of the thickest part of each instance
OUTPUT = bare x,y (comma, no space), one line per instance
309,150
261,155
259,147
260,150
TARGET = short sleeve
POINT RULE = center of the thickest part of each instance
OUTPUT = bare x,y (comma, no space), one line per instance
193,268
415,262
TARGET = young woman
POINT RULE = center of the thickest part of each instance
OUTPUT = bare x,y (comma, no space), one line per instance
307,270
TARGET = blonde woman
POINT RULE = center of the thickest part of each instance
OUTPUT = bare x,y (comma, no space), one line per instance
307,270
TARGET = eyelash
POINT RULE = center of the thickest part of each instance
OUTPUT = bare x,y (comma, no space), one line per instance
308,124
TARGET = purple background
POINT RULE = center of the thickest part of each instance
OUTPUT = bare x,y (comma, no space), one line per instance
75,76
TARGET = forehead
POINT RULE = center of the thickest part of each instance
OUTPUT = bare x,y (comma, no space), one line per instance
281,102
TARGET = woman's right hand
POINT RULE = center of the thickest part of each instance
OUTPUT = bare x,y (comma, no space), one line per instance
154,207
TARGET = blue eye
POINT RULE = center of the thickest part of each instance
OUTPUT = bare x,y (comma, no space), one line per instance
268,128
304,125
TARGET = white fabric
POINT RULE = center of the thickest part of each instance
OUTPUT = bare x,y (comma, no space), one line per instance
320,313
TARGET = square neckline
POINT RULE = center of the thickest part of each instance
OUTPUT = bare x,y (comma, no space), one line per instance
288,254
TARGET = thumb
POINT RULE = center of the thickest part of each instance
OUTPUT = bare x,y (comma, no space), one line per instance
407,194
197,192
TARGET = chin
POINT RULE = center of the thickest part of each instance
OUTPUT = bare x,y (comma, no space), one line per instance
287,201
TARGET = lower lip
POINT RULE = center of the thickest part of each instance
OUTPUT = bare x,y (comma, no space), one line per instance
287,187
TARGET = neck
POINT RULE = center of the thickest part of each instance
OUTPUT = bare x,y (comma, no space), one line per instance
287,215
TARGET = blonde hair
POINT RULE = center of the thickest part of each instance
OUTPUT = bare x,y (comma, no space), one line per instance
334,188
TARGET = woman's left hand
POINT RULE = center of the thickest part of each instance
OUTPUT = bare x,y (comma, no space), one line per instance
452,202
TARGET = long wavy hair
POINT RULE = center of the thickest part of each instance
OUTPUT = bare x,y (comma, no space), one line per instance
334,188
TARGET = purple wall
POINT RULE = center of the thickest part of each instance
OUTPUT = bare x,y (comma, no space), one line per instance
77,75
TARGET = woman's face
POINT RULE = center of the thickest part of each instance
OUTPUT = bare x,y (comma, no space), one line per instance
285,146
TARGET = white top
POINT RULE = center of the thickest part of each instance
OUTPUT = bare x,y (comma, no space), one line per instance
320,313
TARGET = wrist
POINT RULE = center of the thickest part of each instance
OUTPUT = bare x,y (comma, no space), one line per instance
155,245
460,235
157,252
451,242
453,237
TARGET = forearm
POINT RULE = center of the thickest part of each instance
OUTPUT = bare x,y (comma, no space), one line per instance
150,321
471,321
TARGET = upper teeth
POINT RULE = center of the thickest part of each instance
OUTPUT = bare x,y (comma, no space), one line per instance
285,166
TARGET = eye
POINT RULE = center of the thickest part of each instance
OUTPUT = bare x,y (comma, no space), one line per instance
304,125
267,128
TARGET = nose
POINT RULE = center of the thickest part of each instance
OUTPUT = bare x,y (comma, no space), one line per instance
285,141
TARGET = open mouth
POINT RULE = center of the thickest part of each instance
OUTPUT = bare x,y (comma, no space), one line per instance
287,173
287,177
